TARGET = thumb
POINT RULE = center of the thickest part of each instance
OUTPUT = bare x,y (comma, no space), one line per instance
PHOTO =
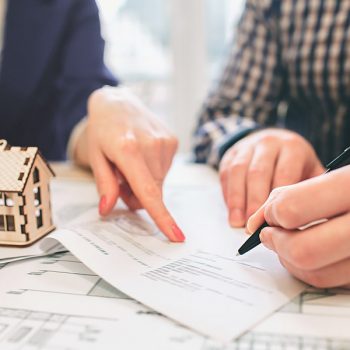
259,217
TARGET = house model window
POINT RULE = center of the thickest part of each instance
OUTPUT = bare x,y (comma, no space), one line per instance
36,177
25,209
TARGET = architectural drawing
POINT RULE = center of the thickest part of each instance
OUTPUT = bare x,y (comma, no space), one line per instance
63,277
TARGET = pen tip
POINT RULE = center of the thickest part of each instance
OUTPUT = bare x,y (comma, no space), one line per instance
238,254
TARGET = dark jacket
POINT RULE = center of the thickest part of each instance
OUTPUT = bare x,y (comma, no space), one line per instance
52,60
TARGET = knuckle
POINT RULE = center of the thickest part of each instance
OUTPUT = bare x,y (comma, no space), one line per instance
315,279
299,145
224,164
235,201
286,211
284,173
254,205
256,198
294,139
161,141
226,159
304,257
285,176
300,257
233,149
275,193
128,145
256,172
152,191
279,193
268,139
155,143
238,166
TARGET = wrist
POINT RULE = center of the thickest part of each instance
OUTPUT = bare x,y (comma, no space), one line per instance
230,140
78,144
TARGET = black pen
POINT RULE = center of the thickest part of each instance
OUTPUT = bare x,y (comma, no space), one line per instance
254,239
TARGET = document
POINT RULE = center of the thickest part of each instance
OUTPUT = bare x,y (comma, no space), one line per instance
200,284
56,302
10,254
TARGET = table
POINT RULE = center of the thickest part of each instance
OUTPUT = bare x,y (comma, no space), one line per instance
57,303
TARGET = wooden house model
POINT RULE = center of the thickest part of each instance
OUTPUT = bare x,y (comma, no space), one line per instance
25,209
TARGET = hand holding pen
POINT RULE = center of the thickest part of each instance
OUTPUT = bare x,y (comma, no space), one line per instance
318,254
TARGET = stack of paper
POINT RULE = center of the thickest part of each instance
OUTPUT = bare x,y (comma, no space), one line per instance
10,254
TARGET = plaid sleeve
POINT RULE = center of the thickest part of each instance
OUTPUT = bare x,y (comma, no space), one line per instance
247,94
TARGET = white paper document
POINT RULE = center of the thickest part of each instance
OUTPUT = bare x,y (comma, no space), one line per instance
56,302
200,283
10,254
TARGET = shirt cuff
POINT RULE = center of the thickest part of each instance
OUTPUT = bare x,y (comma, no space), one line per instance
221,146
231,139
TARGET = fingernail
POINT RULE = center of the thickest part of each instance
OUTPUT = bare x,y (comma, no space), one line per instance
102,205
180,237
237,217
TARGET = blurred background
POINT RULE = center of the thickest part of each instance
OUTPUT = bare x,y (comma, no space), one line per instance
169,52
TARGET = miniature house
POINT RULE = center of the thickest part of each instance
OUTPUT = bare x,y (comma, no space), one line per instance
25,209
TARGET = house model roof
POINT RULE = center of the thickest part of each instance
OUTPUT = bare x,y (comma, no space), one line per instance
15,166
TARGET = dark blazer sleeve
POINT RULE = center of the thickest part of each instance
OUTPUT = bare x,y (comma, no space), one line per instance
81,69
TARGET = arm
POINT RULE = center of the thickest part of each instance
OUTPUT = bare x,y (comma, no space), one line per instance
249,89
251,161
82,68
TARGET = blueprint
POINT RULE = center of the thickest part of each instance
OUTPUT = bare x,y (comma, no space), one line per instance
60,298
57,303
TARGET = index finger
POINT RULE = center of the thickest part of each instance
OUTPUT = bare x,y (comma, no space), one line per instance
131,163
259,217
318,198
256,220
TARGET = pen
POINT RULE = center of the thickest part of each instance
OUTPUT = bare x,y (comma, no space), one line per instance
254,239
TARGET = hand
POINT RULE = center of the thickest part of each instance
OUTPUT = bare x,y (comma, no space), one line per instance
130,153
320,254
261,162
